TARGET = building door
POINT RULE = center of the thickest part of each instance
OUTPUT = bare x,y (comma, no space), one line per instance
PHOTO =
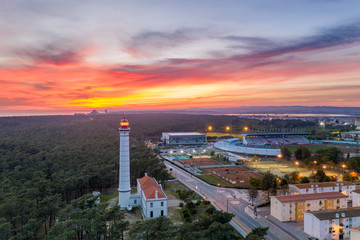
151,214
162,213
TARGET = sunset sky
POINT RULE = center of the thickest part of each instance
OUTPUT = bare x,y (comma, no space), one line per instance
70,56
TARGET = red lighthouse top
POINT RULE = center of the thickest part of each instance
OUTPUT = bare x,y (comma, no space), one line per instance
124,123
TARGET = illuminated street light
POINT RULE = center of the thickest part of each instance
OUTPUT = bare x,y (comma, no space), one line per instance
279,155
210,128
353,174
227,128
343,166
324,167
315,162
246,129
297,163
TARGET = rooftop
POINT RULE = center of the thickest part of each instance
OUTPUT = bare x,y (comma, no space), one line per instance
183,133
309,196
321,184
331,214
357,191
149,186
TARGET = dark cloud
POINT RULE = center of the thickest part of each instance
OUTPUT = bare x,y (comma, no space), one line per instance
53,55
254,44
151,41
330,37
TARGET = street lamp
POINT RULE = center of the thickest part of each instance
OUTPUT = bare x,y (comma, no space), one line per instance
297,163
227,128
210,128
246,129
279,155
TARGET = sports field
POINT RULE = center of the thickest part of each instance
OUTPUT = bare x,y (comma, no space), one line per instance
314,148
283,168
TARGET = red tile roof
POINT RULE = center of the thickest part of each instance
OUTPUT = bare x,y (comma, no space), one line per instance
321,184
149,186
356,228
309,196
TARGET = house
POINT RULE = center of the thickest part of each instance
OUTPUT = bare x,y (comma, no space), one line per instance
355,196
154,202
331,224
292,207
344,187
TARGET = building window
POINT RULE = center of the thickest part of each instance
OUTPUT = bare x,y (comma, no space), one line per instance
162,213
151,205
135,201
151,214
162,204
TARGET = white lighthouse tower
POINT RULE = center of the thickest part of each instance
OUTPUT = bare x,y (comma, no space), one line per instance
124,166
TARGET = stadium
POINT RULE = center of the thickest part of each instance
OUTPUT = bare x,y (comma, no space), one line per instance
263,143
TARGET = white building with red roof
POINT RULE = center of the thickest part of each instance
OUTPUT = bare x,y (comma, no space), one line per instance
154,202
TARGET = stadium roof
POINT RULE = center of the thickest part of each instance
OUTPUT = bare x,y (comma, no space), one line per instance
275,133
183,133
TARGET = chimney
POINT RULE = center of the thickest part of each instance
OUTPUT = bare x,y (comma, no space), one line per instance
156,194
145,174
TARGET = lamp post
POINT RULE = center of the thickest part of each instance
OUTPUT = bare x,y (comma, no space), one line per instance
246,129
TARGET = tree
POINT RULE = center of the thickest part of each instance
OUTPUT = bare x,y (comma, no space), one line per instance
302,153
253,194
294,176
269,183
257,233
255,182
153,229
286,153
320,176
304,180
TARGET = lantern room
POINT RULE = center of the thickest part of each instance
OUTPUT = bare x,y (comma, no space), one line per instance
124,123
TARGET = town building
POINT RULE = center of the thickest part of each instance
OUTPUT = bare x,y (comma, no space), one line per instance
183,138
153,199
150,196
355,233
355,197
331,224
344,187
292,207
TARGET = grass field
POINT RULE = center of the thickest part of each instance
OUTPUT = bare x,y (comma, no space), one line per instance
264,166
314,148
213,179
107,197
172,187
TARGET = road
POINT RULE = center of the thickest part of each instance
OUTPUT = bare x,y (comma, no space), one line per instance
224,199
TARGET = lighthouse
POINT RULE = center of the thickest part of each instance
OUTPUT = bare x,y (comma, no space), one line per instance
124,166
